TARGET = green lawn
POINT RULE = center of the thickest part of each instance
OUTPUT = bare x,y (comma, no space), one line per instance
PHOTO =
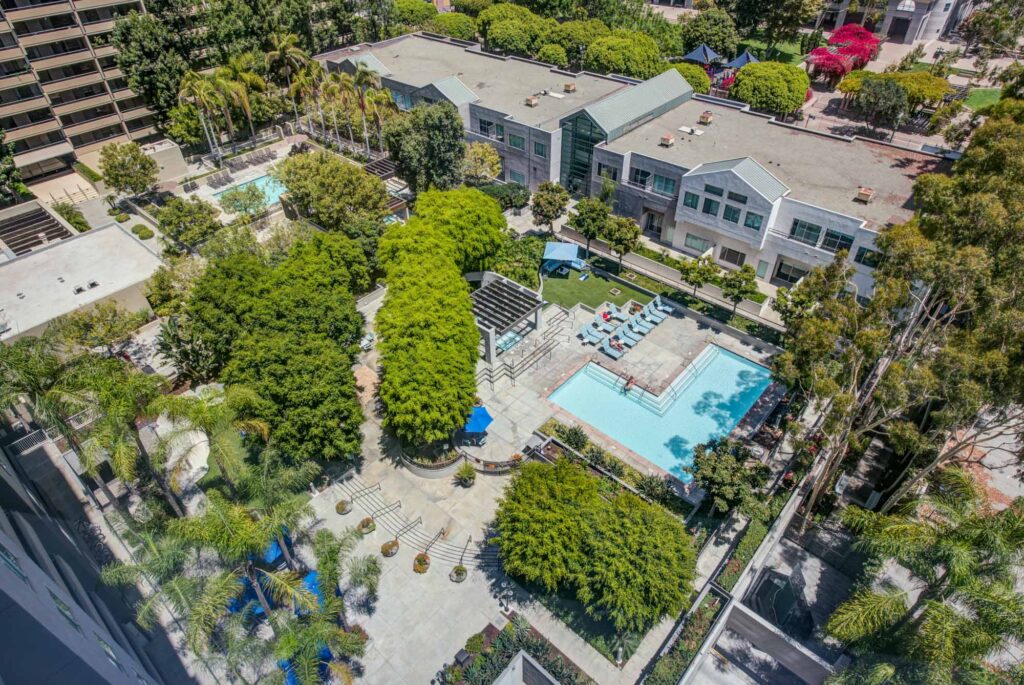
983,97
569,290
787,53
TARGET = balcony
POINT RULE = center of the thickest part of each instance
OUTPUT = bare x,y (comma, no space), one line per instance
43,37
91,125
43,153
72,82
32,130
99,26
97,144
36,11
84,103
93,4
26,105
61,60
7,54
104,50
143,132
17,79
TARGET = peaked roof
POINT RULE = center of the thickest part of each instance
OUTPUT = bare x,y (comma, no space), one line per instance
619,113
371,62
755,175
455,90
742,60
702,54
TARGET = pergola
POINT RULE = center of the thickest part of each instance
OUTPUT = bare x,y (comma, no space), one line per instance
499,306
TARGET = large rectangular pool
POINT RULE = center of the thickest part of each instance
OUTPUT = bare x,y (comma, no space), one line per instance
705,401
271,188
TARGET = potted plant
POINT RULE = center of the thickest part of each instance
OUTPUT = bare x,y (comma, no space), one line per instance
466,475
343,506
366,526
389,548
421,563
458,574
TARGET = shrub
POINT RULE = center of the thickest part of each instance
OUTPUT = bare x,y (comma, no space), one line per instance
751,540
122,217
389,548
144,232
508,195
88,172
771,86
553,54
421,563
575,437
459,573
471,7
475,643
72,215
343,506
366,526
695,76
466,475
454,25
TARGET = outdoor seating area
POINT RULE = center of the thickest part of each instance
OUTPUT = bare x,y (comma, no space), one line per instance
260,156
617,330
220,179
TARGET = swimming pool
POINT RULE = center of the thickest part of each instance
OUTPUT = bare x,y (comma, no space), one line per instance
272,189
705,401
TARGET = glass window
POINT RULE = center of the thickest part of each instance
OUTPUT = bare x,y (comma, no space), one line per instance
518,142
109,651
639,177
404,102
691,200
835,241
762,268
789,273
753,221
487,128
664,186
711,206
713,190
540,150
805,232
696,243
868,258
732,214
517,177
12,563
732,256
607,171
736,197
65,610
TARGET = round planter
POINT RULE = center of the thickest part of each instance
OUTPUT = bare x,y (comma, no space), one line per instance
421,563
457,577
365,528
388,549
343,507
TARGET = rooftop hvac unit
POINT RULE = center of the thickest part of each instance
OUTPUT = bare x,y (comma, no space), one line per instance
865,194
570,88
668,140
532,101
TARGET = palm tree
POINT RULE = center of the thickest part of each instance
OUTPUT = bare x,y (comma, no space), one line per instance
243,653
273,492
341,90
303,87
238,79
201,92
238,538
284,59
381,104
215,414
963,558
364,80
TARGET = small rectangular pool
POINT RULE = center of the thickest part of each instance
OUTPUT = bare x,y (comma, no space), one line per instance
272,189
705,401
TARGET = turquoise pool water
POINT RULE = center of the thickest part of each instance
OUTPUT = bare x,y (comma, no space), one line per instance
272,189
705,401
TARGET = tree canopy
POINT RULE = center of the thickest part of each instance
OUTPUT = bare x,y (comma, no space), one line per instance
427,146
12,188
629,53
727,471
188,222
127,169
473,221
714,28
694,75
771,86
455,25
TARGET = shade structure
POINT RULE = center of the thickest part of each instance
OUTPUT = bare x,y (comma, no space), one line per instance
563,252
273,555
702,55
742,60
479,420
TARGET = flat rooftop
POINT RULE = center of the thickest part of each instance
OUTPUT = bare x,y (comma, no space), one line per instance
40,286
500,83
819,170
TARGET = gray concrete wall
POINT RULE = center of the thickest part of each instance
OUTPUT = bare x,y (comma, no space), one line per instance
787,651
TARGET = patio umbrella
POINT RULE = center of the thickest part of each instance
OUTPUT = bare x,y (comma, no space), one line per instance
742,61
479,420
702,55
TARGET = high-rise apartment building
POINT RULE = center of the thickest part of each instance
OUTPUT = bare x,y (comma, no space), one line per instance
61,93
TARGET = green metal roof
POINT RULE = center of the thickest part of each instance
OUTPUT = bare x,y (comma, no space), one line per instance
455,90
752,173
371,63
619,113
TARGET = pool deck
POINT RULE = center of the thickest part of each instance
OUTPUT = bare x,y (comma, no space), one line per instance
249,173
656,360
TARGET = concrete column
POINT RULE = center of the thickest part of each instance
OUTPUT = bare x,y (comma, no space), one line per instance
490,345
538,319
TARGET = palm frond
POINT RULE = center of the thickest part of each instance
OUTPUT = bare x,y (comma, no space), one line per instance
211,606
285,587
866,614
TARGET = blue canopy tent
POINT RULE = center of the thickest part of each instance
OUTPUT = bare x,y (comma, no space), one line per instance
248,597
272,555
290,678
742,60
479,420
559,254
702,55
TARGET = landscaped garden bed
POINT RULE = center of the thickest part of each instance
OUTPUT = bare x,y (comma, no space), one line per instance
670,668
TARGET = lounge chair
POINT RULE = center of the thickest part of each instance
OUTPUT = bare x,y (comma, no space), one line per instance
602,325
618,313
609,350
622,333
639,325
624,329
590,335
652,314
658,304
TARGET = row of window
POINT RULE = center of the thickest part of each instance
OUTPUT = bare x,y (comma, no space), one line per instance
515,141
661,185
808,233
732,213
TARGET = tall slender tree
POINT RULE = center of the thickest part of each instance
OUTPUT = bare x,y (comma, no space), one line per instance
283,60
365,81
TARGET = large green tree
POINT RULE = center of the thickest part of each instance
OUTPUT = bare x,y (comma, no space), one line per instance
473,221
630,53
727,471
590,219
771,86
188,222
150,52
714,28
11,187
427,146
126,169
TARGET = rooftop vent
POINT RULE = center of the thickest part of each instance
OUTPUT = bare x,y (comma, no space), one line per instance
570,88
865,194
93,284
668,140
706,117
79,289
532,101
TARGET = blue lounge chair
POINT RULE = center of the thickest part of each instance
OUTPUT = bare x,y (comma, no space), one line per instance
639,325
618,313
624,331
609,350
602,325
652,314
591,335
623,336
658,304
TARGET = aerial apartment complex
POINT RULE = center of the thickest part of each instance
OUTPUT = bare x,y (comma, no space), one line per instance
701,175
61,93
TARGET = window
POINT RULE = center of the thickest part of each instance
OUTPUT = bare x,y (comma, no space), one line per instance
517,177
835,241
753,221
403,100
540,150
736,197
492,130
789,273
607,171
11,562
639,177
713,190
868,258
805,232
691,200
711,206
732,214
518,142
696,243
732,256
65,611
109,651
762,269
664,186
